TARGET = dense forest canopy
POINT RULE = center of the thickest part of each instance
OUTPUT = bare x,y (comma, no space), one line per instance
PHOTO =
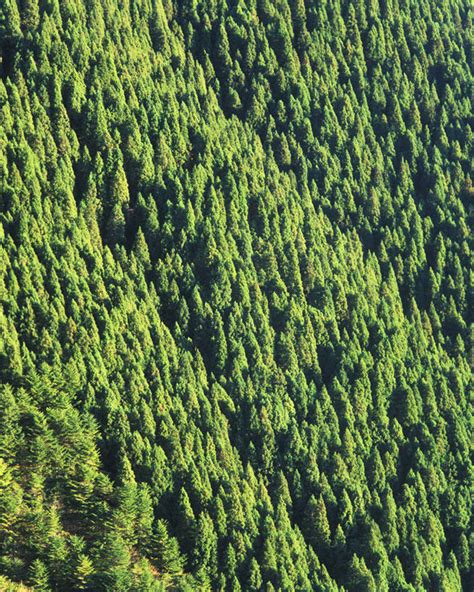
234,295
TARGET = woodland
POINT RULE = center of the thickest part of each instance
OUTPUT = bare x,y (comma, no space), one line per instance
235,270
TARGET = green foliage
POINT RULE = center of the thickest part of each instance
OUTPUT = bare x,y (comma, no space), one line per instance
234,295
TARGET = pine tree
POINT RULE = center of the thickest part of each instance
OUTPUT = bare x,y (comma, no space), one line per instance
83,573
164,550
39,577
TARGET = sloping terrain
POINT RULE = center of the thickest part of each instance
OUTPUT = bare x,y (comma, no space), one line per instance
234,272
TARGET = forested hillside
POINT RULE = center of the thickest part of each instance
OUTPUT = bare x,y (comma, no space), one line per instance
234,295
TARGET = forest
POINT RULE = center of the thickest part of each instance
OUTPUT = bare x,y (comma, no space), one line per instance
235,274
